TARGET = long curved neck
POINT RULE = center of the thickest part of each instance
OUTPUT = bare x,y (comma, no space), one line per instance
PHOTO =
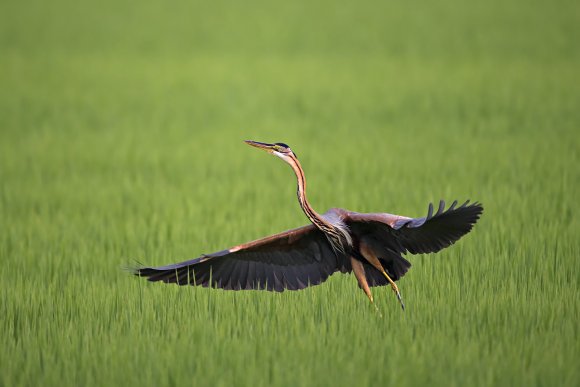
336,232
301,192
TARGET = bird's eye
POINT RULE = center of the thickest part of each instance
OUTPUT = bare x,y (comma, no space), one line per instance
281,147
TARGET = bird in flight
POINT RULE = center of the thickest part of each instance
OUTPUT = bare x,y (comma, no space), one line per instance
370,245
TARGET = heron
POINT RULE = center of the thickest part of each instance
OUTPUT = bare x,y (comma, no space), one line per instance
370,245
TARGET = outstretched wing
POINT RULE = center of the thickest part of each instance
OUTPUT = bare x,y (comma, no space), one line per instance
292,260
389,235
435,232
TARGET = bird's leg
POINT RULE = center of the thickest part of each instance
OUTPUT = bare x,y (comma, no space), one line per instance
359,273
373,260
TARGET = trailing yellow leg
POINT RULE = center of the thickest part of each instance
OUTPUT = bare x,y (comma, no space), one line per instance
373,260
395,289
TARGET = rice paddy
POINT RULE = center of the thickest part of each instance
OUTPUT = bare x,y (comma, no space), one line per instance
121,128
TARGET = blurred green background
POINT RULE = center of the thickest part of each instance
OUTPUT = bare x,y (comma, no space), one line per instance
121,128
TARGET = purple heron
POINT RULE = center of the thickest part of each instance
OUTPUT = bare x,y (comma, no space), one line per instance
370,245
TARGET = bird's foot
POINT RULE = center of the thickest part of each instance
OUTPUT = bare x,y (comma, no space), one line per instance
398,294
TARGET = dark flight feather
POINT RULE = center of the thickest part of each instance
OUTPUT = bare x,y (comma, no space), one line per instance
433,233
389,236
290,260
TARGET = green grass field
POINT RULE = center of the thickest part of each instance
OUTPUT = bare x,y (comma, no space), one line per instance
121,128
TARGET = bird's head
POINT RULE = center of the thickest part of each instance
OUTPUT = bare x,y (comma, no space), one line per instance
278,149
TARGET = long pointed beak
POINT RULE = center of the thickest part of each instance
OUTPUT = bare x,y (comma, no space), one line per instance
260,145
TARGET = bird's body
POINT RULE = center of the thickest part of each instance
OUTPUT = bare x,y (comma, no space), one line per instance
370,245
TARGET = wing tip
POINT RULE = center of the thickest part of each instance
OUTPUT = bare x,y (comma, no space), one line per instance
134,268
